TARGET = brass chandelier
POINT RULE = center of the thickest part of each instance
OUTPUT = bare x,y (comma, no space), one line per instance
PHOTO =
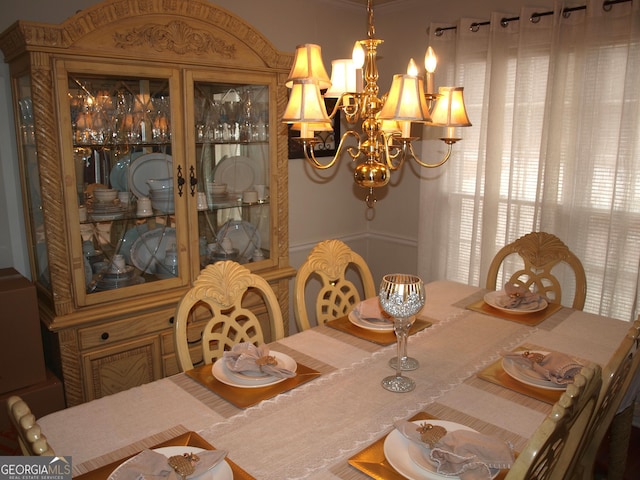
385,140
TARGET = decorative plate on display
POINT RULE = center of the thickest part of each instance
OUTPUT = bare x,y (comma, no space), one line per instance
129,238
238,173
148,167
119,176
151,247
243,235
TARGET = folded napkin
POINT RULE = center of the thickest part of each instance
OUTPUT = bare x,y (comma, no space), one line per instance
371,310
470,455
517,295
555,367
246,357
152,465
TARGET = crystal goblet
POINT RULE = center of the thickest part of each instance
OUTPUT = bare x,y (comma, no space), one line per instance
402,297
407,363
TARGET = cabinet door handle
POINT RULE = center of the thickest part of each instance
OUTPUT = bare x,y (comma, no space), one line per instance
181,180
193,180
104,336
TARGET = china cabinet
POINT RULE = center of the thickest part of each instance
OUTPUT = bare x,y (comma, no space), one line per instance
150,146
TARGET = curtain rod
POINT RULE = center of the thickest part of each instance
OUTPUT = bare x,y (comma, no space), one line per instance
534,18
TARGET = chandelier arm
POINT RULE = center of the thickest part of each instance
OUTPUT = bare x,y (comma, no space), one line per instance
392,151
350,108
309,152
412,154
354,152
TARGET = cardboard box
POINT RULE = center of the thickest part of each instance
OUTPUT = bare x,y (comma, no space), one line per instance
21,352
43,398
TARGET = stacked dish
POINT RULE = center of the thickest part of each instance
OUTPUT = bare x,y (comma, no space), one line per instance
161,194
104,212
112,279
500,301
368,315
252,379
528,376
411,460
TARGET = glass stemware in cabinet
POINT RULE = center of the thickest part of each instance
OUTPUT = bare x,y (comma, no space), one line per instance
402,297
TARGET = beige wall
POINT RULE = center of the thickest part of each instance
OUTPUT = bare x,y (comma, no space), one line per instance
326,206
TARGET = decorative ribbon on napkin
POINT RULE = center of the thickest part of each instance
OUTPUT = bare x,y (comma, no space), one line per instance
555,367
246,357
468,454
149,464
371,310
517,295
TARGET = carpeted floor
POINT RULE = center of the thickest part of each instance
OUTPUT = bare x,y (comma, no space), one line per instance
9,443
633,458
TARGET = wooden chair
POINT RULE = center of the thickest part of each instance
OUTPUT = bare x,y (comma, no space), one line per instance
30,437
329,261
222,287
541,252
617,376
549,452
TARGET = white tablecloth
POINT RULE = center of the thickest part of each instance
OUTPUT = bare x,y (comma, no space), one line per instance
311,431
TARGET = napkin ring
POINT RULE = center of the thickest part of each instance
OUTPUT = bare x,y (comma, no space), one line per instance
184,464
535,357
266,360
431,434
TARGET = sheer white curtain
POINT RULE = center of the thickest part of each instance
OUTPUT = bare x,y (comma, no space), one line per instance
554,146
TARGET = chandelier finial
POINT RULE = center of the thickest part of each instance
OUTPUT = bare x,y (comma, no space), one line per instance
371,31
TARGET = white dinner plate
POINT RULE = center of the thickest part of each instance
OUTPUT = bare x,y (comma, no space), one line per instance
498,300
129,238
237,379
527,376
243,235
222,471
238,173
358,321
147,167
411,460
151,247
119,175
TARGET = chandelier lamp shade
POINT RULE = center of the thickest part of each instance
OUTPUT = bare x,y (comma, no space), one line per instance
384,140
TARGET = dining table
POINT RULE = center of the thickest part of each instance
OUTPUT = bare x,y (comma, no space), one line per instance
334,424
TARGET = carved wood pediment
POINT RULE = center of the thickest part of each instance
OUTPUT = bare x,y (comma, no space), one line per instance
177,37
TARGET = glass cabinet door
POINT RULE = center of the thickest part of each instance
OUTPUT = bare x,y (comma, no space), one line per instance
124,179
31,182
232,161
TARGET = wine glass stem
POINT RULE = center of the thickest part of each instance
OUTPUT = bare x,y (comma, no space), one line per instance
405,337
401,334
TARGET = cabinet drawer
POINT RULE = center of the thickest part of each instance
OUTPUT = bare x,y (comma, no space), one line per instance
126,329
119,367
